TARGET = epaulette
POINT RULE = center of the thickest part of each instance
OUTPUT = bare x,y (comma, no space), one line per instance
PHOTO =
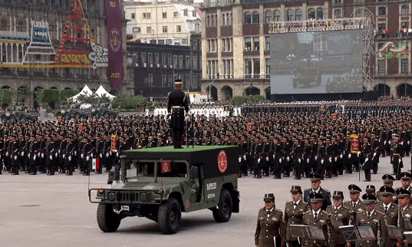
307,212
326,191
324,211
345,207
307,189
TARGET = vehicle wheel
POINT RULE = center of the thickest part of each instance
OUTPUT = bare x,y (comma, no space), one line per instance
106,114
76,115
96,114
22,119
67,116
107,220
169,216
223,212
12,119
113,114
4,119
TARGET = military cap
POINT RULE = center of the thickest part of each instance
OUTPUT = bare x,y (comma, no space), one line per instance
395,135
370,188
338,195
269,197
296,189
353,189
369,198
314,177
406,176
386,191
388,178
178,82
403,193
316,197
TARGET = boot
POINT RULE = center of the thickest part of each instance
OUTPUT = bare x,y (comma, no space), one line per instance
259,173
86,172
367,176
375,168
298,175
239,174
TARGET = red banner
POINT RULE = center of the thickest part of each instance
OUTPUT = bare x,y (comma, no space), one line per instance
166,166
115,71
354,141
80,126
113,138
250,126
335,116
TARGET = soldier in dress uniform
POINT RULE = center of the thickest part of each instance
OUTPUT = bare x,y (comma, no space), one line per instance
370,189
404,197
371,217
355,205
339,216
389,210
406,181
387,182
315,179
294,214
319,218
270,228
396,152
176,106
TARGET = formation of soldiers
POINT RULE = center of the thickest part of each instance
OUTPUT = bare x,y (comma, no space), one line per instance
293,138
387,212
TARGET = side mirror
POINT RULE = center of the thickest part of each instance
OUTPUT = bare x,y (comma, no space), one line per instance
113,175
194,172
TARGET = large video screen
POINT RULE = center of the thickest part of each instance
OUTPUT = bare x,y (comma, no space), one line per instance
316,62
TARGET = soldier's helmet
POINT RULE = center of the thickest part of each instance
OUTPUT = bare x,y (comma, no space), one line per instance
353,189
387,179
269,197
406,176
338,195
369,198
316,197
370,189
403,193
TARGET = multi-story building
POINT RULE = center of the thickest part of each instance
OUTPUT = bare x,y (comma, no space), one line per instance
156,67
236,43
32,32
164,23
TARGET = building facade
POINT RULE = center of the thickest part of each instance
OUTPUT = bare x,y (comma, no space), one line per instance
164,23
156,67
236,41
39,49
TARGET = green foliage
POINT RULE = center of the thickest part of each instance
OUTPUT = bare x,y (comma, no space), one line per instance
48,94
6,96
88,99
128,101
258,98
238,100
67,93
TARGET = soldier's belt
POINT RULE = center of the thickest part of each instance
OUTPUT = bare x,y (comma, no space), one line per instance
396,154
177,107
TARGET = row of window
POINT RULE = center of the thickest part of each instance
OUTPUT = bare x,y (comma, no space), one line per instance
167,61
227,45
147,15
251,69
211,20
167,80
382,66
149,30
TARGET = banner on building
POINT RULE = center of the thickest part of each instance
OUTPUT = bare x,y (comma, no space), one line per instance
115,71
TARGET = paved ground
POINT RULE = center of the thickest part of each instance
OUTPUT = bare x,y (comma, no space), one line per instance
55,211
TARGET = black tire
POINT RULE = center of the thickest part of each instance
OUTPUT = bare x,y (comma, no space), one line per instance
4,119
106,114
96,114
22,119
223,212
12,119
67,116
77,115
169,216
107,220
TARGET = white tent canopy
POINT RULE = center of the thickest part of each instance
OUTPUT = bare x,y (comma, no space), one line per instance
85,91
102,92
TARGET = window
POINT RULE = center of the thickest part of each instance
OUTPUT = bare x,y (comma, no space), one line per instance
319,14
247,18
276,15
148,29
358,13
197,27
185,12
194,45
170,81
3,25
150,58
164,15
248,44
267,60
175,14
164,81
248,66
404,24
143,55
163,59
338,13
267,43
164,29
180,62
187,62
311,14
404,66
174,61
291,15
151,79
132,16
405,9
338,1
169,59
255,17
298,15
178,28
256,43
20,28
268,16
381,67
157,58
136,29
223,20
184,41
194,61
256,67
144,15
161,41
382,11
148,15
193,13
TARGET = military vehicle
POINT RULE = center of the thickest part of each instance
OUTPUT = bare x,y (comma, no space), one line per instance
14,114
307,77
104,111
161,183
72,111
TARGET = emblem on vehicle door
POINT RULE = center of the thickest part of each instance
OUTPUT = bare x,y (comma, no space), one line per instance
222,161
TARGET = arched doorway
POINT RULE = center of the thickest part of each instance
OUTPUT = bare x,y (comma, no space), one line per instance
252,91
213,93
21,95
227,93
267,91
404,90
383,90
36,97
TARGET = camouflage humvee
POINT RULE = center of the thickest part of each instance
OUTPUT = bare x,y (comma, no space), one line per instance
161,183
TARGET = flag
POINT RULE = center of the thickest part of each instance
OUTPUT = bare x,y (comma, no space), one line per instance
95,164
166,166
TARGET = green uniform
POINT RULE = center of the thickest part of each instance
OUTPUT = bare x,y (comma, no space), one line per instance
406,220
294,216
268,227
377,222
391,219
322,221
354,209
338,217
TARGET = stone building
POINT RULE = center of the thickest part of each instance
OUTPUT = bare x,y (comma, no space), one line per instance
31,34
236,44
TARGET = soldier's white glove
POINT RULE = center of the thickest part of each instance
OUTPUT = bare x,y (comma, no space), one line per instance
374,154
307,160
34,158
316,157
70,158
401,143
267,159
87,158
336,158
341,156
258,161
321,162
240,159
366,160
57,155
51,157
349,156
384,143
330,159
280,160
7,153
389,142
22,153
287,158
358,154
15,157
409,142
101,156
244,157
299,160
107,154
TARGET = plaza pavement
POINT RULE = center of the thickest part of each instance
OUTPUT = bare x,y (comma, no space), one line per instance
54,211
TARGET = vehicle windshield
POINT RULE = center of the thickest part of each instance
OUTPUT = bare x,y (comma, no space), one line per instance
178,169
141,170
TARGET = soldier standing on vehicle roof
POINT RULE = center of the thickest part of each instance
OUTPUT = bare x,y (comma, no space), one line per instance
177,104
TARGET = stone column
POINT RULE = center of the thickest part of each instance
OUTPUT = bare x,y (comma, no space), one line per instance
17,53
262,42
7,53
219,42
12,55
238,62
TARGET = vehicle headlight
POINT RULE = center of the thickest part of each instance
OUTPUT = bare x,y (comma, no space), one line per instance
143,197
63,111
110,196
